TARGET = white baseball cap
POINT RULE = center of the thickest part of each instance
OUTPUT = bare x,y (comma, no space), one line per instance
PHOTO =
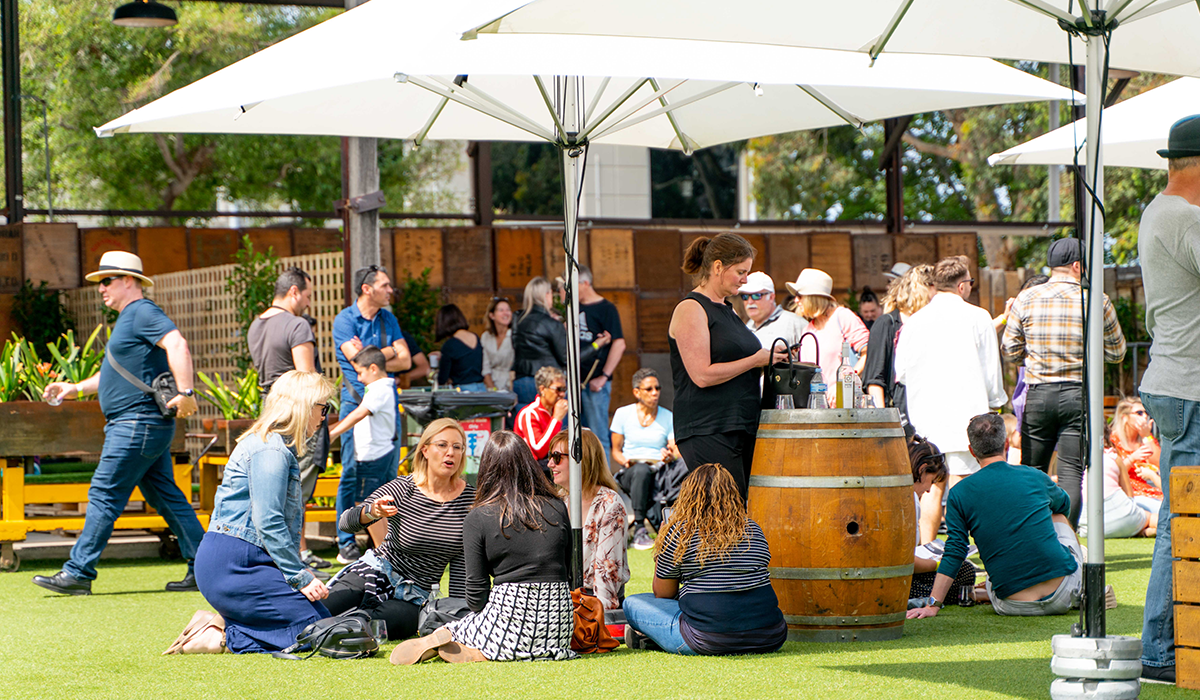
757,282
897,270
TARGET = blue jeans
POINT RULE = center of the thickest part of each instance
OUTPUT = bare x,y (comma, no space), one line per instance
1178,422
658,619
526,390
348,484
595,413
136,453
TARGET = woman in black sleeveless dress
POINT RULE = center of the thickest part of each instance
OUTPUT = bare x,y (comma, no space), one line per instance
716,361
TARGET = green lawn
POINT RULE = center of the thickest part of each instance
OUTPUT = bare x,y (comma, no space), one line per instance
107,646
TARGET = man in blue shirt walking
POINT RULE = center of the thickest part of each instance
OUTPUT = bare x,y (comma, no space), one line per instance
137,438
367,321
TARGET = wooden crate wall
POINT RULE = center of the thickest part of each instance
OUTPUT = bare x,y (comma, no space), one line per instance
1185,544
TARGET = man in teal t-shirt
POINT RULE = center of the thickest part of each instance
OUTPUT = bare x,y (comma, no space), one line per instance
1018,519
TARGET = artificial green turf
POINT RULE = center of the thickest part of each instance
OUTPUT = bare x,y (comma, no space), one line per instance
107,646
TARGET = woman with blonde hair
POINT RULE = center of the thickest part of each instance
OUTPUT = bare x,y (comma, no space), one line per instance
712,592
248,564
605,566
905,296
540,340
832,323
425,512
1134,443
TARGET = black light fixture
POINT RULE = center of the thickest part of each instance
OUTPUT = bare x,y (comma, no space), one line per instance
144,13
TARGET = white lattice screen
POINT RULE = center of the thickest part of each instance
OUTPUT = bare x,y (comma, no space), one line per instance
203,310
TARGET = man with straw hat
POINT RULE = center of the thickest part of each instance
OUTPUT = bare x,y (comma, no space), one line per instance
1169,246
144,344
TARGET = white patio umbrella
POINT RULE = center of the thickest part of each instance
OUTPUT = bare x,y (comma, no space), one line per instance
1144,35
397,69
1134,131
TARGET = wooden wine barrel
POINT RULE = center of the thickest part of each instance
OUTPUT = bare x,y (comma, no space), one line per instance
832,491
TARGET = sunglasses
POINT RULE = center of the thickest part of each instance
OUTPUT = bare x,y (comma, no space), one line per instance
755,296
655,387
970,281
556,457
107,281
324,410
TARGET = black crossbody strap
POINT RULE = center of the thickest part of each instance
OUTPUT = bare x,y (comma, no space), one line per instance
125,373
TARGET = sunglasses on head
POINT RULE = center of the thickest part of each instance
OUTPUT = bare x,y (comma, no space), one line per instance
324,410
755,296
107,281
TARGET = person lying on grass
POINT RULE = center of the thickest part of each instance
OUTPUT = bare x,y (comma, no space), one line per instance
712,593
1018,518
517,543
424,514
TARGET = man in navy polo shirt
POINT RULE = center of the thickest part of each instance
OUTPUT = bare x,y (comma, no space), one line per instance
367,321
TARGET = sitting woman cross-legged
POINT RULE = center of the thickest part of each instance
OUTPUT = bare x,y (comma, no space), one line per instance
929,468
425,512
248,564
517,541
712,593
605,567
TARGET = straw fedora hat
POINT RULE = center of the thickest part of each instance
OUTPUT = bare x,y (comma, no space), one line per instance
812,281
115,263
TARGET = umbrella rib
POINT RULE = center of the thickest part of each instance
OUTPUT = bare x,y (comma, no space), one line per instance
562,131
1051,11
625,123
420,137
593,125
497,104
889,30
1153,8
684,141
482,109
587,117
636,108
832,106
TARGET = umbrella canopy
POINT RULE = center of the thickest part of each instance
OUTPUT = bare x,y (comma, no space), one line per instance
1154,35
659,93
1134,131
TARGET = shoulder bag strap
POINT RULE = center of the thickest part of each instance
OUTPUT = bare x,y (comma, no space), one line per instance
142,386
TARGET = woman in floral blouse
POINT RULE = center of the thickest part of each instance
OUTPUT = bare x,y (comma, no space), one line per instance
605,567
1137,448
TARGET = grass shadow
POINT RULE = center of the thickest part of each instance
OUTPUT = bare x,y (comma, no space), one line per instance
1019,678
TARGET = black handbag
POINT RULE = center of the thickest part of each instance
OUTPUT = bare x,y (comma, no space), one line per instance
791,377
345,636
163,389
436,612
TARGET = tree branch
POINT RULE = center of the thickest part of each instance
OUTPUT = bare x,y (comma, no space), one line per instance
952,151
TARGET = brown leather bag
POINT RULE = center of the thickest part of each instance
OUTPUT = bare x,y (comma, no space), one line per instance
591,634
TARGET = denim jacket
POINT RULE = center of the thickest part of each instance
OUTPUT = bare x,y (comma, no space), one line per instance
259,502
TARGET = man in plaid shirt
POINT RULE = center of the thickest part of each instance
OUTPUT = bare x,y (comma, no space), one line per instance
1045,329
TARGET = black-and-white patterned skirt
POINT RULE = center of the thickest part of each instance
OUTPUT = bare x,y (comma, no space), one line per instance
521,622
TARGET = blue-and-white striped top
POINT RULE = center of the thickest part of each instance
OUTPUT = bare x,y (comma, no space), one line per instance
741,568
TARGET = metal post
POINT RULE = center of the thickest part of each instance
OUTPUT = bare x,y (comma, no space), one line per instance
362,178
1093,237
10,65
1078,112
480,153
572,184
1054,207
894,173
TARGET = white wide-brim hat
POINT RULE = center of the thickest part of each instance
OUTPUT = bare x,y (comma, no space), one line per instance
812,281
115,263
897,270
757,282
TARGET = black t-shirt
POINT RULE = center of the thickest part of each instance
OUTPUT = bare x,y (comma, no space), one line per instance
461,364
726,407
516,555
594,319
271,341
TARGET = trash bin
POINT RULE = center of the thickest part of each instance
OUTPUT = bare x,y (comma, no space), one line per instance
479,412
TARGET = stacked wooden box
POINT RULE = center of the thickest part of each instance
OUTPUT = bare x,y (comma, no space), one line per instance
1185,544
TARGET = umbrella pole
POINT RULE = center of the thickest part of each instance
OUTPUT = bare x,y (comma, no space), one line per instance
1093,236
572,184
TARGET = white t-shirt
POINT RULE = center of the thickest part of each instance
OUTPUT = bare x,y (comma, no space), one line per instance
373,434
643,444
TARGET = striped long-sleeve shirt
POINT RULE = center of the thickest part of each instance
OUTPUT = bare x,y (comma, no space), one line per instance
1045,329
537,426
423,537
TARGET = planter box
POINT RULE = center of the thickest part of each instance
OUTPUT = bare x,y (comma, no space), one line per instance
227,432
35,428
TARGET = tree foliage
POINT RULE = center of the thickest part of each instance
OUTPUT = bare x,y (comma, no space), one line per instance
90,71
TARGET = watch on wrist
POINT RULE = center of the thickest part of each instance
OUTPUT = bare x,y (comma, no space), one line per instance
188,392
608,376
935,603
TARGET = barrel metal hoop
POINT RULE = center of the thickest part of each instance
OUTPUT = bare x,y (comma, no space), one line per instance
868,634
829,574
845,620
830,415
855,433
832,482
